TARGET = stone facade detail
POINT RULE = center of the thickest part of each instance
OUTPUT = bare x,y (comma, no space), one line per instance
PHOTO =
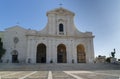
58,42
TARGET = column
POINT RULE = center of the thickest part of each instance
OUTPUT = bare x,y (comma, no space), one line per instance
33,52
48,51
54,52
28,50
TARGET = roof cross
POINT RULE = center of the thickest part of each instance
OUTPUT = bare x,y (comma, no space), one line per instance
60,4
17,23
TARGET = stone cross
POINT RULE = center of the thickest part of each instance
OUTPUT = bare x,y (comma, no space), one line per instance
60,4
17,23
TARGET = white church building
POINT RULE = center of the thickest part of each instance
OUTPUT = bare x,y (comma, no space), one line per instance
58,42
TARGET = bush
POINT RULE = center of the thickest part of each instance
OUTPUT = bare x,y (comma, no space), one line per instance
108,59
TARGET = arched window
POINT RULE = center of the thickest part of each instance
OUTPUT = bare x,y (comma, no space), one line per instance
61,29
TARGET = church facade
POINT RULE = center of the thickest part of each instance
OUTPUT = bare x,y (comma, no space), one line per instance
58,42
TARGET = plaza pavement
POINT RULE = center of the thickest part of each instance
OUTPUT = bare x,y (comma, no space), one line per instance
59,71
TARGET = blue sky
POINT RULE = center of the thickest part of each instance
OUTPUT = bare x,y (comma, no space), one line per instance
102,17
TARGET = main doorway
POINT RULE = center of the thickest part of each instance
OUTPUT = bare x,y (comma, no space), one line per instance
14,56
61,54
41,54
81,56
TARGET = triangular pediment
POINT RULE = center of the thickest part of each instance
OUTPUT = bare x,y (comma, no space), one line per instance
60,11
15,28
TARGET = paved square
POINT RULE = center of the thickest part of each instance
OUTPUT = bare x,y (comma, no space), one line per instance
38,75
108,74
61,75
96,76
59,71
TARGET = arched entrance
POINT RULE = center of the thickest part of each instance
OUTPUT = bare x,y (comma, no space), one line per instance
41,54
61,53
81,57
14,56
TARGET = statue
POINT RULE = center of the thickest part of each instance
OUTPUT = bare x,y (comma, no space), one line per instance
113,53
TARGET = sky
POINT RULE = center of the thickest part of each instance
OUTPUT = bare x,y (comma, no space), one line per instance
102,17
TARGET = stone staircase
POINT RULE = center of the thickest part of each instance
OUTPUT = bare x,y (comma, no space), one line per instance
57,67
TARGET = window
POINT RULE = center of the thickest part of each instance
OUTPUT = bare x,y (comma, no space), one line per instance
61,28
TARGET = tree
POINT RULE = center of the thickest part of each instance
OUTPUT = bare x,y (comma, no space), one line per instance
108,59
2,50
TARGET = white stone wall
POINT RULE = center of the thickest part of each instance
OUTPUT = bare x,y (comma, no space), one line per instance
52,43
9,44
